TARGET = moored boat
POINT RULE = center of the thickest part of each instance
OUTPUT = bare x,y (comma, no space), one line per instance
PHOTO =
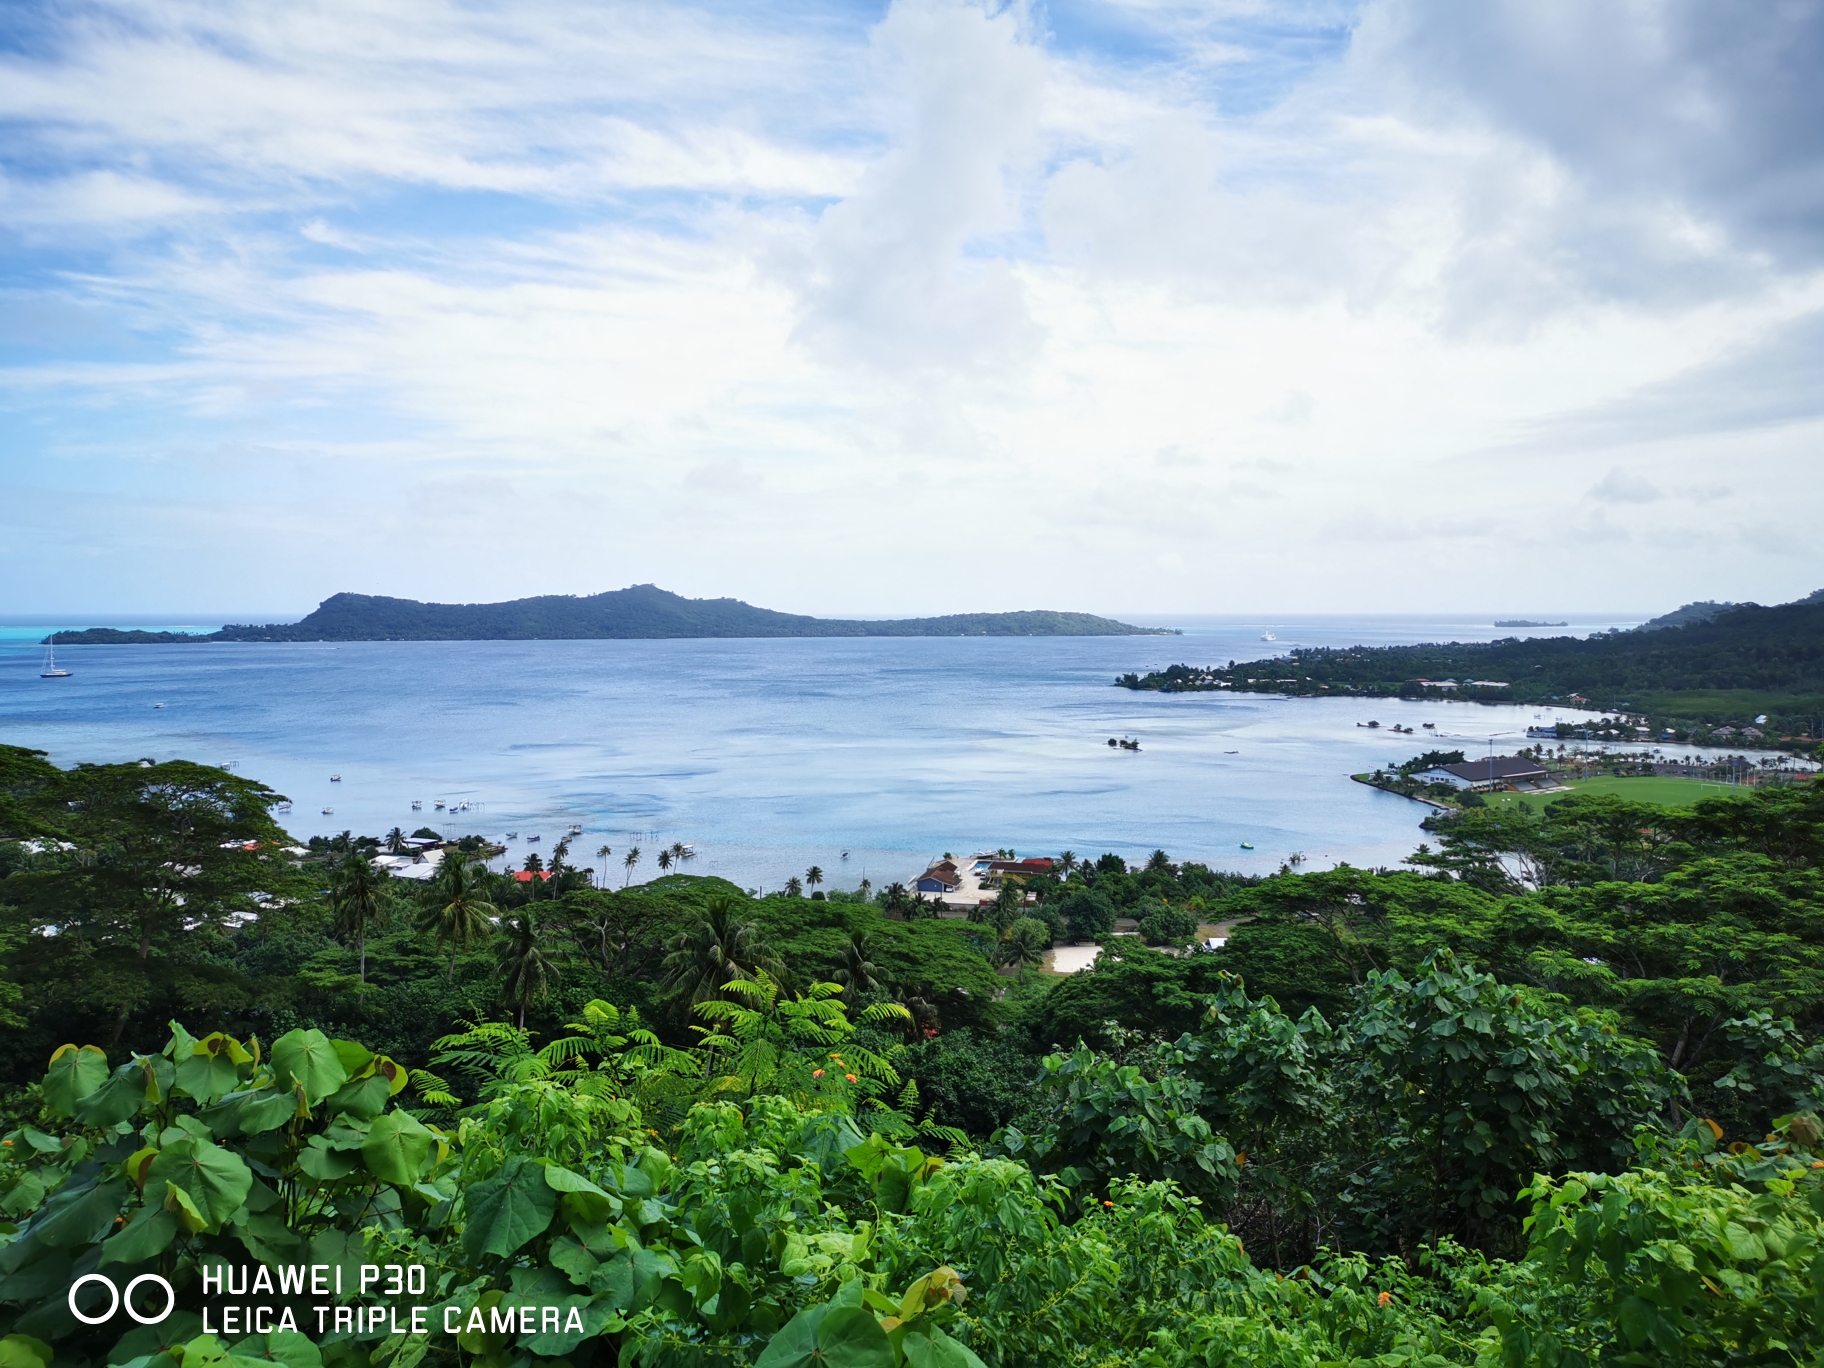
52,670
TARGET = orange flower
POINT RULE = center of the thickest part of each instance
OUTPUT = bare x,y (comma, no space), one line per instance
816,1073
850,1077
1386,1297
1108,1204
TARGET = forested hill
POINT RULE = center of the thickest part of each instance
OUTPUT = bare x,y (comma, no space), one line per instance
1747,660
644,611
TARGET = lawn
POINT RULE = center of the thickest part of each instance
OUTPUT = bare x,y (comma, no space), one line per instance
1655,789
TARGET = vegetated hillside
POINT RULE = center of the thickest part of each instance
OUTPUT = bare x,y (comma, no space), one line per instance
1550,1097
642,611
1748,659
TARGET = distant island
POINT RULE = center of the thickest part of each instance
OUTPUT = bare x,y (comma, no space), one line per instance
1527,622
643,611
1719,678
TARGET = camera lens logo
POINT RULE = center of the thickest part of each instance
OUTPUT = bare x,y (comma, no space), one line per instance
117,1299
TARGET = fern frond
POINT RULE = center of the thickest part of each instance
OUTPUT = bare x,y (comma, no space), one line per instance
885,1011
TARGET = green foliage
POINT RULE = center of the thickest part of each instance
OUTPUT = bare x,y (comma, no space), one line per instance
1165,924
1699,1258
1088,915
1109,1121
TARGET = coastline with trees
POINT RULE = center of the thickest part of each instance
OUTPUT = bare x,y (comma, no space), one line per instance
1326,1135
1697,678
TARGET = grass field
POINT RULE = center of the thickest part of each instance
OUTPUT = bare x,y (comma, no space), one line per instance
1666,791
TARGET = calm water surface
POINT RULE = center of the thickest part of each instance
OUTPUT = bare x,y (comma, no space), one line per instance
769,756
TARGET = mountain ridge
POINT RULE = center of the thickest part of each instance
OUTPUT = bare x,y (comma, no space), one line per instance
639,612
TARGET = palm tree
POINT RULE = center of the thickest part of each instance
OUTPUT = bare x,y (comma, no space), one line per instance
681,852
1007,905
630,859
893,898
1067,861
865,887
717,950
1025,943
602,854
395,841
794,889
354,895
813,876
457,911
854,970
526,968
664,860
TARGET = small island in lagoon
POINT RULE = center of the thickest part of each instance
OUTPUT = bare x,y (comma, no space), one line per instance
641,612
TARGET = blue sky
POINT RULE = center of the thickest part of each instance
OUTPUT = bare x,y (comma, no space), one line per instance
920,307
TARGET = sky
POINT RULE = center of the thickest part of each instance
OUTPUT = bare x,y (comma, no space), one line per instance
1137,306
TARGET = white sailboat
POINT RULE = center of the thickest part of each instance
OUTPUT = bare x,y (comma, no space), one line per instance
51,671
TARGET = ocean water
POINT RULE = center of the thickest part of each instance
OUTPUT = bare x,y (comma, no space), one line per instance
770,756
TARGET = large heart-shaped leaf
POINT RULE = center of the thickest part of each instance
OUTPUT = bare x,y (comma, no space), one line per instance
583,1200
266,1110
212,1066
310,1059
147,1235
839,1334
293,1350
597,1316
397,1146
505,1211
73,1075
938,1350
216,1180
851,1337
22,1351
795,1346
362,1098
115,1100
80,1214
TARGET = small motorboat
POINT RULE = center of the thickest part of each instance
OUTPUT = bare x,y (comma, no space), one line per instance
335,778
512,835
417,805
1247,845
329,812
438,805
845,854
576,828
1268,636
535,838
158,705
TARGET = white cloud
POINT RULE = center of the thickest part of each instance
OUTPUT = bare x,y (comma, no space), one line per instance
1624,487
1288,300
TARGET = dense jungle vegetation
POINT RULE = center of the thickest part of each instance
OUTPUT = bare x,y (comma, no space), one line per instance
1547,1096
